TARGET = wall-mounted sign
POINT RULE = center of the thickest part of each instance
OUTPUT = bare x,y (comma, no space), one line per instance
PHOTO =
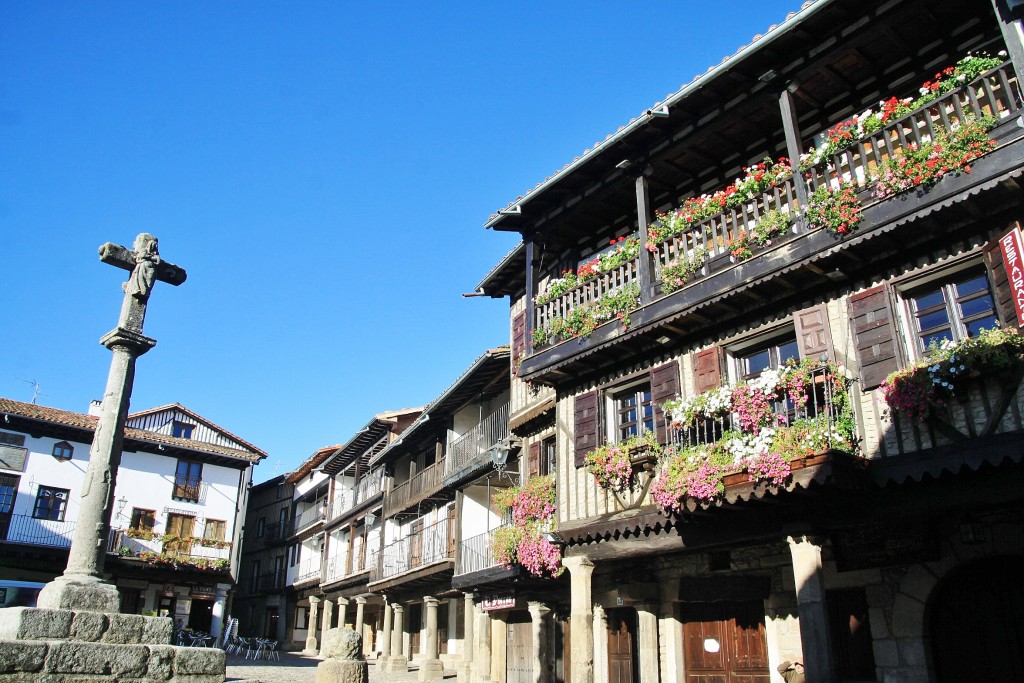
1012,247
168,590
496,601
12,458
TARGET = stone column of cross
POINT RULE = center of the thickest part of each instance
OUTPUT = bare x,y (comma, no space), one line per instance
81,586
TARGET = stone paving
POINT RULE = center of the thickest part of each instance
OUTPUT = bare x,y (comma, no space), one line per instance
296,668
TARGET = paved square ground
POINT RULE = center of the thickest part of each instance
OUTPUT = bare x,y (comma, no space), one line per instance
295,668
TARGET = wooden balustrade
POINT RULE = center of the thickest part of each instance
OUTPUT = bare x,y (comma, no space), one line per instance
994,94
410,492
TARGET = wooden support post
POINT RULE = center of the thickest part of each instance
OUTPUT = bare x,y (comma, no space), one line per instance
793,147
646,258
1013,36
531,286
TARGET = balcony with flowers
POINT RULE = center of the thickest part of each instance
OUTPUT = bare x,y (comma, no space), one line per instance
801,218
958,392
170,550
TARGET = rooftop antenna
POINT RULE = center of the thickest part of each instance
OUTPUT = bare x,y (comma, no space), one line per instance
36,393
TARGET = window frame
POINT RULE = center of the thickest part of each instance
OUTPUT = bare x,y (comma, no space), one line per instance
945,280
183,488
223,529
139,518
61,509
641,391
182,430
548,463
62,447
773,342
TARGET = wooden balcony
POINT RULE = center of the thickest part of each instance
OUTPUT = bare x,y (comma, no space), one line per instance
422,486
368,487
814,252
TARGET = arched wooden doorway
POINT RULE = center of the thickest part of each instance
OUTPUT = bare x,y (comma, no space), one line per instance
976,623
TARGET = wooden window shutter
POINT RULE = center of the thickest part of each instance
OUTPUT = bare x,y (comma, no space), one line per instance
1002,292
812,332
874,331
707,369
518,337
664,386
585,425
534,459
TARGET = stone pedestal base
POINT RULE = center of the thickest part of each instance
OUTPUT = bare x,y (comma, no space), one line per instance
342,671
397,664
81,593
431,670
64,645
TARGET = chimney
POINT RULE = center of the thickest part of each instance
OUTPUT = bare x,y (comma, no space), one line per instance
94,408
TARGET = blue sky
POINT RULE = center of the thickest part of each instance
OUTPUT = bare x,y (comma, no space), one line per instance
323,171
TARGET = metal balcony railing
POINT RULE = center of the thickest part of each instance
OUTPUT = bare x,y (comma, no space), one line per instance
31,531
308,570
431,544
366,488
310,516
476,553
473,444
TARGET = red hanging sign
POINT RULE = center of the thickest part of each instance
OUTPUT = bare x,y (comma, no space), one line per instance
1012,247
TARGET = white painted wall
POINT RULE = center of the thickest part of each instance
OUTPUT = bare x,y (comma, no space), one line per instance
477,517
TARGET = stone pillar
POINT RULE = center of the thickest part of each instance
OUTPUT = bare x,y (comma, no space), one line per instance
342,612
465,670
385,636
499,643
431,668
600,636
398,662
581,571
670,627
647,635
312,647
326,623
360,615
482,663
810,597
541,636
220,598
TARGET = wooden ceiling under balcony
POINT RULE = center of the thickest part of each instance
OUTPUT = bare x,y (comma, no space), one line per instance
837,61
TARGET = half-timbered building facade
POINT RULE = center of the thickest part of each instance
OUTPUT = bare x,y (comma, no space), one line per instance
767,333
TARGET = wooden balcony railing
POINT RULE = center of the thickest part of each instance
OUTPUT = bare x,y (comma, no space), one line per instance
432,544
473,444
421,486
994,94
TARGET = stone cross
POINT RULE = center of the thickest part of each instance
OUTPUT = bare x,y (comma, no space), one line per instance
81,586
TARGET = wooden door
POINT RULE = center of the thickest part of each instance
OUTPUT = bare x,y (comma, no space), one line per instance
415,626
976,628
8,492
182,527
622,646
416,544
519,650
723,642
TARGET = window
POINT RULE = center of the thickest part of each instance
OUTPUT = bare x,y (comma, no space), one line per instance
181,526
187,478
300,618
547,456
62,450
214,530
632,412
182,430
952,309
754,360
143,520
261,527
51,503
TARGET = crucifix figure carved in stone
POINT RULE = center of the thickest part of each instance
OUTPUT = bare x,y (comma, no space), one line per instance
81,586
